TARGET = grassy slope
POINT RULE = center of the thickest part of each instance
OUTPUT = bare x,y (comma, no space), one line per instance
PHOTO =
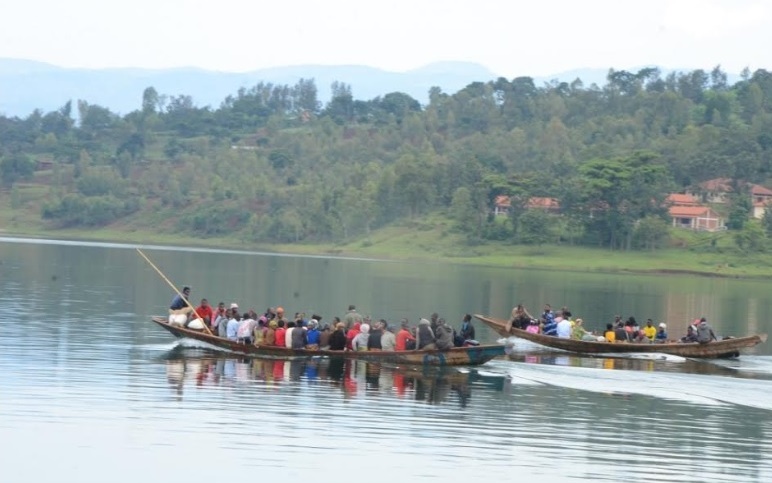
429,239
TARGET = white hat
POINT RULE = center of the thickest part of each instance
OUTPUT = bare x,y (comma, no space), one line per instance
234,305
662,326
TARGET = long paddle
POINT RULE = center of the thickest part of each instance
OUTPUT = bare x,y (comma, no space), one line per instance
172,286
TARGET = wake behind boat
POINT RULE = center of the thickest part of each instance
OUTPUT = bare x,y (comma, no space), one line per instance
457,356
729,347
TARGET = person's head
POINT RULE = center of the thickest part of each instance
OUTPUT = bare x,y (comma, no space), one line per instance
280,312
578,321
404,323
273,324
312,324
519,307
204,303
291,324
335,321
234,306
352,307
649,323
609,326
547,308
316,317
662,326
229,313
468,318
441,322
340,325
382,324
435,316
703,319
280,323
365,328
186,291
690,329
221,306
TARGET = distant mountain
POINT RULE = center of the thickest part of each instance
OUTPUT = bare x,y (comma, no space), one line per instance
27,85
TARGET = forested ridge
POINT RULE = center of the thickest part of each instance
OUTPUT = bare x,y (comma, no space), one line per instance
271,164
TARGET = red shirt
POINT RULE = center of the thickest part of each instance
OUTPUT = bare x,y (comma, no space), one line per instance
204,312
403,336
281,333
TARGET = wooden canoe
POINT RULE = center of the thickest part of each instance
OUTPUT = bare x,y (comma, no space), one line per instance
716,349
457,356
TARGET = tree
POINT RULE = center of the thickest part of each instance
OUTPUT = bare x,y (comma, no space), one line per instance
150,100
16,166
462,209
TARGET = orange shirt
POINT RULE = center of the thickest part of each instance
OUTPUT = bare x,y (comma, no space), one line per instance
403,336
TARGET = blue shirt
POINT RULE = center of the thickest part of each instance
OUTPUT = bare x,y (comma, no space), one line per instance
313,336
178,303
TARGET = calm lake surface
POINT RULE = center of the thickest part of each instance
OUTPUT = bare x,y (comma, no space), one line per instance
91,391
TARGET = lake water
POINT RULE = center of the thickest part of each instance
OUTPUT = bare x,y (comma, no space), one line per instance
91,391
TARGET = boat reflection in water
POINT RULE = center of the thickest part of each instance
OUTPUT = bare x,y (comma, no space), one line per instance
187,367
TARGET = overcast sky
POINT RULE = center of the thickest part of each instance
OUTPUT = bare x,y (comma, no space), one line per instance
510,38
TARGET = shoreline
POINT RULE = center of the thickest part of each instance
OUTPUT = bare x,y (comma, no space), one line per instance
551,258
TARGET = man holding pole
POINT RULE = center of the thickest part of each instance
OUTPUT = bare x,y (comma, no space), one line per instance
180,307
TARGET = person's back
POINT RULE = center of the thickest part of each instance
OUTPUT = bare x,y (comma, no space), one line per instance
299,338
359,342
232,329
388,341
621,334
281,334
313,336
564,329
610,334
425,336
704,332
338,338
550,327
374,339
444,336
270,334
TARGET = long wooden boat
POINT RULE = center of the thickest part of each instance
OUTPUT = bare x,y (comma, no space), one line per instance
716,349
457,356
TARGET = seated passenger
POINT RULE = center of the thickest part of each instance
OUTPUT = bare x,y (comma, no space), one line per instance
621,334
359,343
691,335
299,338
444,339
352,333
563,330
649,331
246,329
338,337
313,335
467,331
533,327
550,327
661,333
425,336
232,329
388,340
291,325
324,336
374,339
610,334
270,333
580,333
404,337
281,333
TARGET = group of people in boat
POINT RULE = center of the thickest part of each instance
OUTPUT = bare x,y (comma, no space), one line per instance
353,332
562,324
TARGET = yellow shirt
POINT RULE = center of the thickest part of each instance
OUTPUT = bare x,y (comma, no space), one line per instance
650,332
610,336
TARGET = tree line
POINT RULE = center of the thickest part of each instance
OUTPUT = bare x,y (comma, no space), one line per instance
273,164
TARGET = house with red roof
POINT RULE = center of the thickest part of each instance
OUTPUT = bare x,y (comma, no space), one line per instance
686,212
502,205
718,190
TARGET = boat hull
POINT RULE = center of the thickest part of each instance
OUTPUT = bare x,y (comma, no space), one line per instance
715,349
458,356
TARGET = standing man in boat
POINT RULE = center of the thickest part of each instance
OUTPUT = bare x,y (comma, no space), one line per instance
351,317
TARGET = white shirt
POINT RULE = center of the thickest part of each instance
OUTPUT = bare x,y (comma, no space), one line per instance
564,329
288,340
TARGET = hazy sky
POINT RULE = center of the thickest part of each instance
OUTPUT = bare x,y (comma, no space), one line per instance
510,38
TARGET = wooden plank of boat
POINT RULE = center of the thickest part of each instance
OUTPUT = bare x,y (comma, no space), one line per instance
722,348
457,356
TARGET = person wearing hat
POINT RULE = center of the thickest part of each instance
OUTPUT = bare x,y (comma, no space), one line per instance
661,336
425,336
705,332
313,335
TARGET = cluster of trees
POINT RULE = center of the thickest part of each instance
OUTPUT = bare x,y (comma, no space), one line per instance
273,164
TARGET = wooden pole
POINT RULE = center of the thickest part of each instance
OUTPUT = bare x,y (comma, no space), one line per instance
206,326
